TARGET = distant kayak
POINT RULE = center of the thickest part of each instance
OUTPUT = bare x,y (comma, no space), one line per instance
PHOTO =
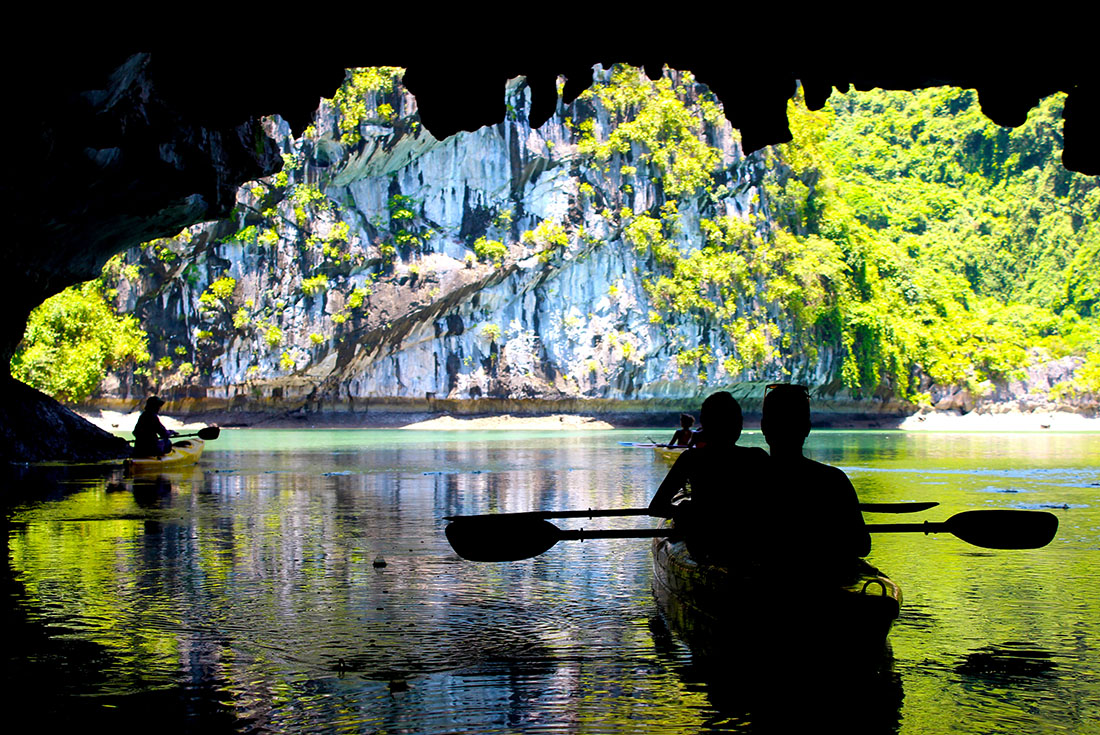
664,451
184,452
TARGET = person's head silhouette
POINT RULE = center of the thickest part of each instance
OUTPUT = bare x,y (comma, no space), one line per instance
686,420
786,419
721,417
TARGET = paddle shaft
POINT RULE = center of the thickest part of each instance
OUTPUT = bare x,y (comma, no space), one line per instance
207,432
927,527
611,512
507,538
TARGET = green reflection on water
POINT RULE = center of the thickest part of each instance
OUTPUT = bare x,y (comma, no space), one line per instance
253,575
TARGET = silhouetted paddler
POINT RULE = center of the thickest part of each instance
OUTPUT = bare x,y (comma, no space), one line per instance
722,481
817,508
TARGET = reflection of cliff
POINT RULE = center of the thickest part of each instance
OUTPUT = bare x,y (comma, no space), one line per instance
625,253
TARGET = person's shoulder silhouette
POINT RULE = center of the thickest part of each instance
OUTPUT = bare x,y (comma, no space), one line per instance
721,479
824,526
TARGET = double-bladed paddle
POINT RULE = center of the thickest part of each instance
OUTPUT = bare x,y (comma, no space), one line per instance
507,537
602,513
207,433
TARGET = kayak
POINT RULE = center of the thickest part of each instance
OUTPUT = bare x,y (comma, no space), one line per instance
719,611
184,452
663,451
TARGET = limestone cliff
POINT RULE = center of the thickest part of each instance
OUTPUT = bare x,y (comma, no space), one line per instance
385,268
385,264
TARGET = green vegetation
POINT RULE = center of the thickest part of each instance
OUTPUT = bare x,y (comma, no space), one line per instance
900,236
273,335
315,285
219,293
490,250
491,331
657,126
353,97
71,341
548,237
965,242
357,298
905,229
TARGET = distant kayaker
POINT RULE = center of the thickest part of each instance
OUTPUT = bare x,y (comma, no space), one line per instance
151,438
722,479
683,435
823,529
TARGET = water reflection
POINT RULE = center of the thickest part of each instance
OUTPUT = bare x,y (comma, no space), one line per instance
243,595
1008,661
785,688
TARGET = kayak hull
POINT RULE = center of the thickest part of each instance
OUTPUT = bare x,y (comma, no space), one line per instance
668,455
184,452
720,613
665,453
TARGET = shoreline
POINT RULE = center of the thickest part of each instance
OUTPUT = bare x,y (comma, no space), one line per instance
926,422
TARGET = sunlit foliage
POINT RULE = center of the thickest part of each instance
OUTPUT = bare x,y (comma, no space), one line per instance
71,341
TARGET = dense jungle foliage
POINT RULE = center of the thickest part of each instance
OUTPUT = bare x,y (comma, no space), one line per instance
935,246
968,249
929,245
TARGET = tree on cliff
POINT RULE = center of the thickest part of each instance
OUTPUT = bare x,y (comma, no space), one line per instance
71,341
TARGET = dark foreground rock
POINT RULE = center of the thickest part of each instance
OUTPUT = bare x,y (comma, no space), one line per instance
36,428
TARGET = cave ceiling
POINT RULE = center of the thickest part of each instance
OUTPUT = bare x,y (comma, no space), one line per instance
114,138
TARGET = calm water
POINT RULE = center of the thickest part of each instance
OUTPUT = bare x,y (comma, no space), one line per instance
249,594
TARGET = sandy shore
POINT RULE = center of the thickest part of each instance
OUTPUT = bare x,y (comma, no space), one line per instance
1000,422
927,422
559,422
115,422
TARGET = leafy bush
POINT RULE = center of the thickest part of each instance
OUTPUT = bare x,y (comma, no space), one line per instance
491,250
490,332
315,285
360,86
273,336
72,339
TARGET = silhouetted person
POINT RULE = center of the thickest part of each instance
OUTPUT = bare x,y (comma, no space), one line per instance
723,480
151,439
822,530
684,434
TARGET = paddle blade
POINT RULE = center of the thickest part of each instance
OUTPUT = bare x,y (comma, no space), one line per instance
510,539
1004,529
907,507
210,432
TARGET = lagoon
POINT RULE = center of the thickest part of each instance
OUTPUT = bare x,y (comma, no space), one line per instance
301,581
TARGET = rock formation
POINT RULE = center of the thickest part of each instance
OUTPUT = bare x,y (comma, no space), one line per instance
121,139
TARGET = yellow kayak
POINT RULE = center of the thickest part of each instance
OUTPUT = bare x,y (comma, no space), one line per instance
669,454
664,452
184,452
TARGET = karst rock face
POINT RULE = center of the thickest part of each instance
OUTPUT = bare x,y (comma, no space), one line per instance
511,267
119,140
363,276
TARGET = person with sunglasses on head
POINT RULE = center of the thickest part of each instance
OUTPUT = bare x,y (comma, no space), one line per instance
720,477
823,529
